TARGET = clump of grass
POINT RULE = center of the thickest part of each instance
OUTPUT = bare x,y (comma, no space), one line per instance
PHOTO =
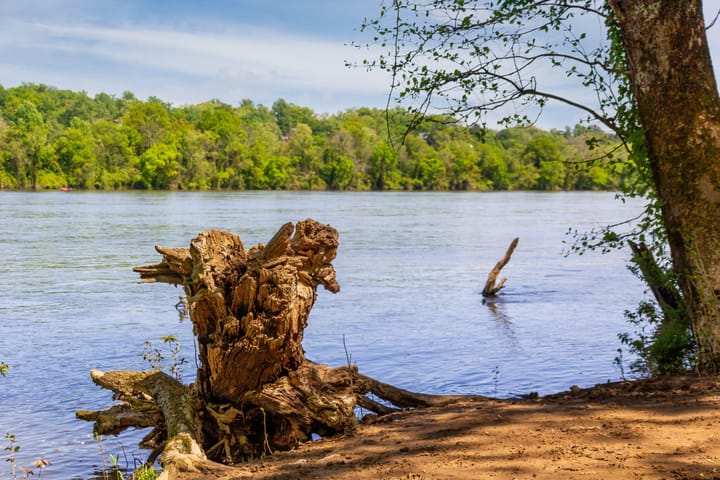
145,472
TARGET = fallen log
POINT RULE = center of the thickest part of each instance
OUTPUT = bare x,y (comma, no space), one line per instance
255,392
492,286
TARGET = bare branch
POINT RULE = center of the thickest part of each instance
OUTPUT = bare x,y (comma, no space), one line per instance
597,116
712,24
491,285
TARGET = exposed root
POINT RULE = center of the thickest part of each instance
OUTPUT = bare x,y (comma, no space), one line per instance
255,391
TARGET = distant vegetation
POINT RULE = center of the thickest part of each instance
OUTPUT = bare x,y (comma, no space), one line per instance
52,138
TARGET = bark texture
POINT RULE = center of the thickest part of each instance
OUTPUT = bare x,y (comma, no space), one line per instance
255,391
673,81
492,286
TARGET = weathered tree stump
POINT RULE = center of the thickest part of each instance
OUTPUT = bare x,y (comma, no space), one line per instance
255,392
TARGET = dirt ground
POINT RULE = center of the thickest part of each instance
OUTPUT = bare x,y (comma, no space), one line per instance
661,429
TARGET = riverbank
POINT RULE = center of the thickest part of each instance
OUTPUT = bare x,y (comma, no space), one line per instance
660,429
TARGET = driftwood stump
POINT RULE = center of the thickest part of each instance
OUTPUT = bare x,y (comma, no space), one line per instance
255,391
492,286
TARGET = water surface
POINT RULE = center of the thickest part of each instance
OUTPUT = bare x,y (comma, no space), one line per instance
411,267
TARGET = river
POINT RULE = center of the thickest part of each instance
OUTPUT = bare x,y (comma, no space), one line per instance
411,267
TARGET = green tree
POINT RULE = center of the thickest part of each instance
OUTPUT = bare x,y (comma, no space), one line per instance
75,150
654,85
106,107
117,163
76,106
98,142
337,170
227,141
159,166
29,135
361,137
196,150
544,154
493,166
432,173
7,179
304,156
276,172
383,168
148,124
289,115
413,149
461,160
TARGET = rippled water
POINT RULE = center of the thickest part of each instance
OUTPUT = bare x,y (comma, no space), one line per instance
411,267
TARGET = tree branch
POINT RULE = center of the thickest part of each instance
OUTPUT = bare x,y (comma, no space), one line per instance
491,289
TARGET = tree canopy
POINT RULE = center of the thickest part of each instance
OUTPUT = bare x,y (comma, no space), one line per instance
51,138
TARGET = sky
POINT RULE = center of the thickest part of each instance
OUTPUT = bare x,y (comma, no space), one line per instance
190,51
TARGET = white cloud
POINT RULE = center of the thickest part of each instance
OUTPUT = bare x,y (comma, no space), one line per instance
250,62
252,55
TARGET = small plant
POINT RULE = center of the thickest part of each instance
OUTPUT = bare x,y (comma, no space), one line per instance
662,341
12,449
496,374
145,472
99,440
176,361
41,463
26,472
155,356
115,465
620,363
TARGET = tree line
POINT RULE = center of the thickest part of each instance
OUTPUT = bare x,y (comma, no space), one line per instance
52,138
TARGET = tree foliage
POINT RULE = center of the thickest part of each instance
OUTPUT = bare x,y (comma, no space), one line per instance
502,60
52,138
471,58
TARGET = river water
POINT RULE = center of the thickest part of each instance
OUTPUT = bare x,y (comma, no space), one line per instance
411,267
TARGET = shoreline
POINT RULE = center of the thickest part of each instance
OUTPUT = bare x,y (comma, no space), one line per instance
662,428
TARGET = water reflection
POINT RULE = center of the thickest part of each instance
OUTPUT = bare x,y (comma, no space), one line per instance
499,314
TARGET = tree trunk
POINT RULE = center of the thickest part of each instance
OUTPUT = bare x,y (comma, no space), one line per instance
666,295
673,81
255,392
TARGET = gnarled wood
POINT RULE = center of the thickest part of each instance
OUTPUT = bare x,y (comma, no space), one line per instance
491,286
156,396
255,391
405,398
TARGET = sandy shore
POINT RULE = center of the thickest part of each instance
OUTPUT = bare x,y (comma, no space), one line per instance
662,429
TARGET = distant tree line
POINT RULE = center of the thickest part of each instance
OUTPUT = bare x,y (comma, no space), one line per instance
51,138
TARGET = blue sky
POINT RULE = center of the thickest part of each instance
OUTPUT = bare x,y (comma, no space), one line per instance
190,51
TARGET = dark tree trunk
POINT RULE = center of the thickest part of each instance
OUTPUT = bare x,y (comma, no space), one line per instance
255,392
673,81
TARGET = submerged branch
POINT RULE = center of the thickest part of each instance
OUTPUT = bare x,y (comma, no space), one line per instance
491,288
